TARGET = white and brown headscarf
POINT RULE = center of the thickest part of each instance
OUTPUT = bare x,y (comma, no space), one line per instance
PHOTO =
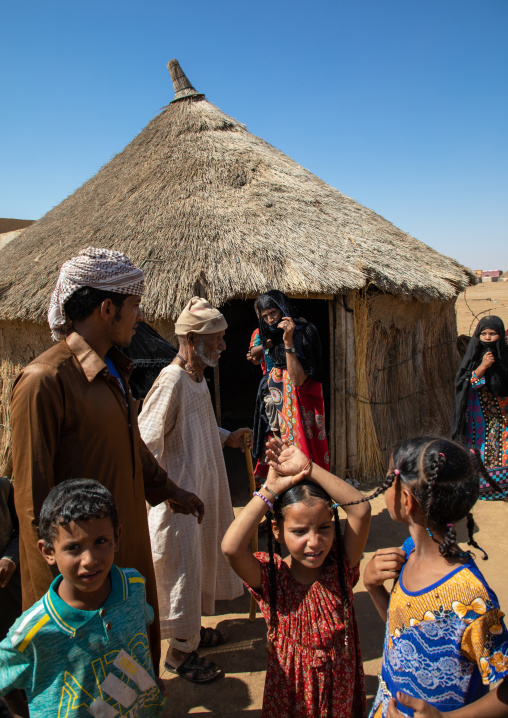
97,268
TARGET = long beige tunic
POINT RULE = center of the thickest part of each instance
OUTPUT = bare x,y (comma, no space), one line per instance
178,425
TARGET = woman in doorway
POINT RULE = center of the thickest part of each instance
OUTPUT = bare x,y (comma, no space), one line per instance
293,401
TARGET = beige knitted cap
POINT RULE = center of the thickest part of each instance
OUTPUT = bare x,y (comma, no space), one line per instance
199,316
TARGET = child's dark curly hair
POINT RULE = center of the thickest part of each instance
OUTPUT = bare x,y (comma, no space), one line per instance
443,476
305,492
75,500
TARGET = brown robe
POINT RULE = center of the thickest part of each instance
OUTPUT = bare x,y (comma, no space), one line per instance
70,420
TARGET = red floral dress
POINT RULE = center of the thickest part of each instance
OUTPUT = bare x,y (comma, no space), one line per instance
310,673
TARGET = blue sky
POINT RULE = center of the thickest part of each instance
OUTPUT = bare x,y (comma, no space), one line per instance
401,105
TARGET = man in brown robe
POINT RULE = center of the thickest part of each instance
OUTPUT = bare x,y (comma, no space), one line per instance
73,416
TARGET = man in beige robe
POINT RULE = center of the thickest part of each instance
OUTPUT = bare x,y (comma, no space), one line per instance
178,425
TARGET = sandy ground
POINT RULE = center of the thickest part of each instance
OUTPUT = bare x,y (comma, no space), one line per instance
243,657
479,301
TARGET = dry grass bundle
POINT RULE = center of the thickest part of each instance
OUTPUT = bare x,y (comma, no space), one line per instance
412,360
371,466
203,205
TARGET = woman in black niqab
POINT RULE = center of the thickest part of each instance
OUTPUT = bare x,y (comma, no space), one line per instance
306,338
292,394
480,417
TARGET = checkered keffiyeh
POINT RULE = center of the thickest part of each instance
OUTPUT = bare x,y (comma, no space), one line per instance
96,268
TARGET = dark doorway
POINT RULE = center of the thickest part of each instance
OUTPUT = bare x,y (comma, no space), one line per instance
239,378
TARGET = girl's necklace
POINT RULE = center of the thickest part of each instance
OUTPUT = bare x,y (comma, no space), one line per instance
188,368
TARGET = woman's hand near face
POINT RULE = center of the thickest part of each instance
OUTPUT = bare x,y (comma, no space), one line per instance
288,326
487,361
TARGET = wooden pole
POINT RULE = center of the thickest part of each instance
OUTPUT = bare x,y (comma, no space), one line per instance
252,488
216,391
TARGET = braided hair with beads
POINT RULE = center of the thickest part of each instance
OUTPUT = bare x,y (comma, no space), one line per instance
305,492
443,476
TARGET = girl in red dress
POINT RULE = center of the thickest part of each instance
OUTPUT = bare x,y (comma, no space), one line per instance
314,664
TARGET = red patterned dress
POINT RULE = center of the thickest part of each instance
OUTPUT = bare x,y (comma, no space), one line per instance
300,417
311,673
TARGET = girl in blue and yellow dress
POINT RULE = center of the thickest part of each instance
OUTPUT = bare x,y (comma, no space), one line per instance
445,639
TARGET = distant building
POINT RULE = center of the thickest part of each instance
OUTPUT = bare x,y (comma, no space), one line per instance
491,275
9,225
12,228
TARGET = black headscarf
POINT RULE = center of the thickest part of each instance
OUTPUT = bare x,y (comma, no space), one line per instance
496,376
305,337
150,354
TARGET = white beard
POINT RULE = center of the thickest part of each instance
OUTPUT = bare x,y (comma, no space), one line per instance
203,355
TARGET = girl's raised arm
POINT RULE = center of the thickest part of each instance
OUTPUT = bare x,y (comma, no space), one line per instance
235,544
290,460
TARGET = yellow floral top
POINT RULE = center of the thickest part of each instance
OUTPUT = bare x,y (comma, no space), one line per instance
444,644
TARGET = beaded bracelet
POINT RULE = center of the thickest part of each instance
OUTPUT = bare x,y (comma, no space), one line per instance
272,492
267,501
309,462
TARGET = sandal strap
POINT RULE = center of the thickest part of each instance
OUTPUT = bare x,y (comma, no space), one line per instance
210,637
196,664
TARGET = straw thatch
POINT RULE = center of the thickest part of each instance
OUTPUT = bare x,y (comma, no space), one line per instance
203,204
207,208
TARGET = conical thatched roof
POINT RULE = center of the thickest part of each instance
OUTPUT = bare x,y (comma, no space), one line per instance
198,201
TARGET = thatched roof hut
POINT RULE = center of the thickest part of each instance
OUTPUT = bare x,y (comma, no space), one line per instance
208,208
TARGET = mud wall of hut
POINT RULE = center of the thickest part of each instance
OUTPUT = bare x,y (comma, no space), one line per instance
405,359
20,342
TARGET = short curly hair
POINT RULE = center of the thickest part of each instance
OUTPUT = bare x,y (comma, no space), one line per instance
75,500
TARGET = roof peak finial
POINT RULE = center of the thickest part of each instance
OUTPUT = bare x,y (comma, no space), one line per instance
182,85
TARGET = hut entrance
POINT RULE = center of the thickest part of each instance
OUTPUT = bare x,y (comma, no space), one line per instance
239,378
